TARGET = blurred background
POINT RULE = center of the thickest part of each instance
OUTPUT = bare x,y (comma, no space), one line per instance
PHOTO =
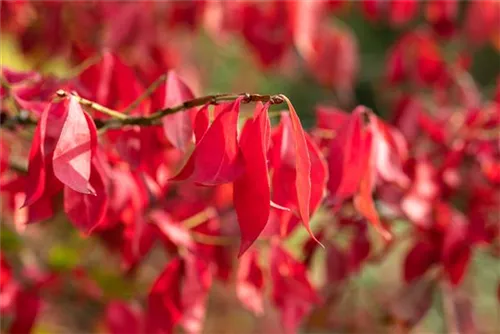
349,59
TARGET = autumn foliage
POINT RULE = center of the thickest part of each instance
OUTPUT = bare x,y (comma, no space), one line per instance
191,195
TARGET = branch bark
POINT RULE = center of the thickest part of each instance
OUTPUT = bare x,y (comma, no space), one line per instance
119,119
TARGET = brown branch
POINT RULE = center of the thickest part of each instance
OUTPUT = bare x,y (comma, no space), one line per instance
119,119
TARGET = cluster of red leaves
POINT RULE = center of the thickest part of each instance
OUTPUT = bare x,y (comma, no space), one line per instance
270,29
435,165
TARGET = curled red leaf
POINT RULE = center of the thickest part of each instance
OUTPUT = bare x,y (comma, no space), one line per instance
73,151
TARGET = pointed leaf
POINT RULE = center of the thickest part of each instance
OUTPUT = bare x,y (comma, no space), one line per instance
319,174
36,170
363,201
251,194
303,169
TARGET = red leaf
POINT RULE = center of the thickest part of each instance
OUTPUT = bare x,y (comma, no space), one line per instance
330,118
178,127
389,152
201,122
216,159
420,258
292,291
27,306
456,253
319,174
250,283
303,169
112,83
336,263
176,233
251,194
5,272
72,154
87,211
363,201
122,318
195,287
40,170
359,249
165,308
36,170
346,158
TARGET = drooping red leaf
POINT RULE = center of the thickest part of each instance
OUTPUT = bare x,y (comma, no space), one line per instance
251,194
87,211
41,178
72,154
165,309
303,169
363,200
423,255
217,158
178,127
36,170
456,253
282,162
250,283
27,306
122,318
319,174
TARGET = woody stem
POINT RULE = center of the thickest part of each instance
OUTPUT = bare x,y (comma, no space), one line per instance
119,119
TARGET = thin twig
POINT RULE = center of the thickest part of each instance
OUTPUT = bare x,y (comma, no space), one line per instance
145,94
199,218
93,105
